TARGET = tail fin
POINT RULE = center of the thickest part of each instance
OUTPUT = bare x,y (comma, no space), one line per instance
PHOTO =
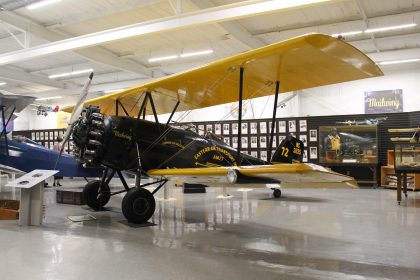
290,150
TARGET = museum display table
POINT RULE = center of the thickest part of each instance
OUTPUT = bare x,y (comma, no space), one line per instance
406,161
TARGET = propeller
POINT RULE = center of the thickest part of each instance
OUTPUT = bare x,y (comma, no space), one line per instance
77,110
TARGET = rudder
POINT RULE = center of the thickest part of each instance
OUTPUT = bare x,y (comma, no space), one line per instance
290,150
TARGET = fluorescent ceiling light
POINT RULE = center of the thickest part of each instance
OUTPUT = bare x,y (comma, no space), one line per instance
161,58
42,4
196,53
347,33
74,73
48,98
390,28
399,61
207,16
2,83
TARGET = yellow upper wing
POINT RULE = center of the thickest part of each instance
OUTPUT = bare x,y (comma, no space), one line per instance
303,62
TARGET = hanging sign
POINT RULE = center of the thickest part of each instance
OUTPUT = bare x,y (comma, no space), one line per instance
383,101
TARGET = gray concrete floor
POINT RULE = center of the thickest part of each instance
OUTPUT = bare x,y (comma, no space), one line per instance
307,234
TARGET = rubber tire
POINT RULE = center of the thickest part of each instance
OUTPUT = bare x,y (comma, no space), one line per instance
138,205
277,193
91,196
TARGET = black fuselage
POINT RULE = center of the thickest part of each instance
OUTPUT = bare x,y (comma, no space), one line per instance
117,142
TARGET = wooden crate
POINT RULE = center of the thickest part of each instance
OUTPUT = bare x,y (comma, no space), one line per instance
70,196
9,209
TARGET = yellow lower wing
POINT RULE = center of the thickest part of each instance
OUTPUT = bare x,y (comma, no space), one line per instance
296,175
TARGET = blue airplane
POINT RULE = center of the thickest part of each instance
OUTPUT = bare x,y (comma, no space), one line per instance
26,155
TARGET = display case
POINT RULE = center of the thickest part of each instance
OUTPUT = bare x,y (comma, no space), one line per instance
407,157
355,144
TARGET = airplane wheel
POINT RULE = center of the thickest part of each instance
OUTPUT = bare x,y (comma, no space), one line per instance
94,197
138,205
277,193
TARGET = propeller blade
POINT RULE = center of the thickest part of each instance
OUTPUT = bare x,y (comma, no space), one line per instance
75,115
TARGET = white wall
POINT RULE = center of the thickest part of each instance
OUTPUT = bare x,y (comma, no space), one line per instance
342,99
29,120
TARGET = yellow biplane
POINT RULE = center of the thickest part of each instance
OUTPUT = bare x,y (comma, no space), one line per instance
112,131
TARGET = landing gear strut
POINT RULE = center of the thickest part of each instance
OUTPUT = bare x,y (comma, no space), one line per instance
138,205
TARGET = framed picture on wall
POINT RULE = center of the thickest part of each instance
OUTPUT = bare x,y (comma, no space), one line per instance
263,155
254,142
244,142
274,141
282,127
41,135
244,128
263,127
281,138
52,135
47,137
33,136
235,142
263,142
292,126
305,155
37,136
209,128
254,127
269,127
234,128
254,154
313,152
303,126
313,135
226,140
304,139
218,128
226,129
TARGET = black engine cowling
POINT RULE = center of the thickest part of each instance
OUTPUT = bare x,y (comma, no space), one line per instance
90,134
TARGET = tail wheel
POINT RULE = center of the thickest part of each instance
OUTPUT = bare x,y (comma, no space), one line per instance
277,193
95,196
138,205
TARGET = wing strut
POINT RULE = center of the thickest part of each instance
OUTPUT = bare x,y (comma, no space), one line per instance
273,121
143,108
118,102
241,82
172,114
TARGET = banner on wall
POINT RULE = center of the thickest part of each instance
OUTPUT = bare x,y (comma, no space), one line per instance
9,126
384,101
63,119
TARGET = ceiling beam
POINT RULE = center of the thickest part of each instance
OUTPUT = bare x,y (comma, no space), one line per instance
101,12
214,15
366,22
395,55
17,75
350,21
234,28
68,92
96,54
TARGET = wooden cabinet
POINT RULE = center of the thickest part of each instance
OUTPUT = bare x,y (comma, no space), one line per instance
389,178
